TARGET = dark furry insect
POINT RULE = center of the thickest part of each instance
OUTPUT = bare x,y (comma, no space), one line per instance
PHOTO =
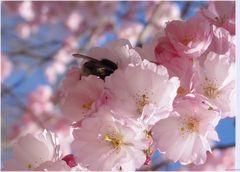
100,68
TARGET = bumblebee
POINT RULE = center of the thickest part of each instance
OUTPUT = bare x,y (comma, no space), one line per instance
100,68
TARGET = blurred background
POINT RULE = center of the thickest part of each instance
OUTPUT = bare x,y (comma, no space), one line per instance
37,40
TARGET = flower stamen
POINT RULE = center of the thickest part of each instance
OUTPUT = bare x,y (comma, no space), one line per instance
87,106
115,140
141,102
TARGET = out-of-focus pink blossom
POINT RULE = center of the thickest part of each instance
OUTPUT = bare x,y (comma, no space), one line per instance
215,79
221,14
219,160
144,91
166,12
186,134
74,21
105,143
30,151
6,67
190,38
26,11
131,31
39,101
61,59
24,30
79,99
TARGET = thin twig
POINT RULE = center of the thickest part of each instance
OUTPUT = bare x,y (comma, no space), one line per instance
221,147
186,8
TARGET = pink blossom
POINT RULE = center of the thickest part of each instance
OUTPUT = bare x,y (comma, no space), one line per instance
131,31
144,91
190,38
71,78
223,43
6,67
221,14
105,143
74,20
61,59
39,101
24,30
179,66
147,49
26,11
220,160
166,12
79,99
215,79
30,151
119,51
185,135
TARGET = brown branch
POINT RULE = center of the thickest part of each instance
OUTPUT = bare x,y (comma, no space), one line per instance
186,8
221,147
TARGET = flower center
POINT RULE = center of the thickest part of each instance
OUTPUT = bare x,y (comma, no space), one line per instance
181,91
190,125
29,166
186,40
115,140
221,19
141,102
87,106
210,89
211,92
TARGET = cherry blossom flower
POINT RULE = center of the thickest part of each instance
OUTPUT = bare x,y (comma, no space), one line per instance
105,143
166,12
131,31
221,14
143,91
147,51
190,38
74,20
80,95
26,11
39,101
185,135
214,79
223,43
71,78
179,66
6,67
32,152
61,59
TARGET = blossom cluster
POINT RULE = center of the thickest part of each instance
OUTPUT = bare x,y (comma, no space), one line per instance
122,103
